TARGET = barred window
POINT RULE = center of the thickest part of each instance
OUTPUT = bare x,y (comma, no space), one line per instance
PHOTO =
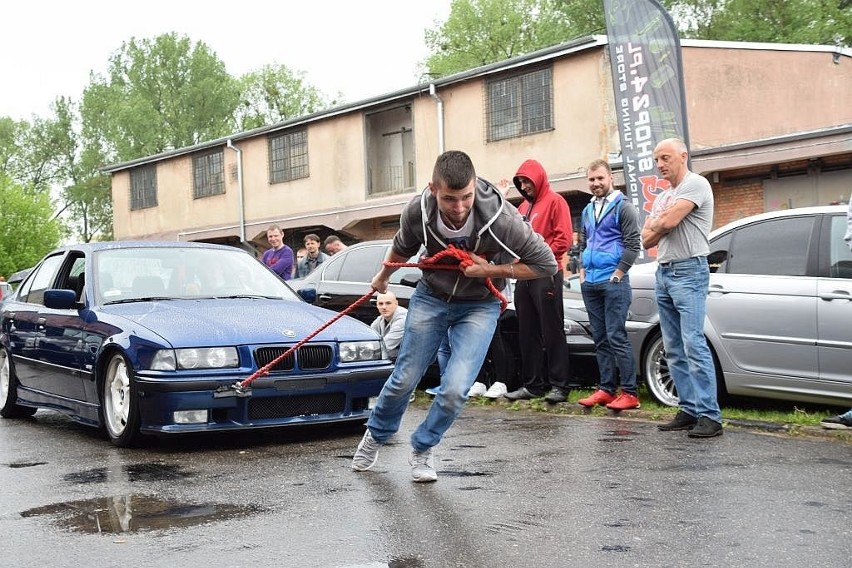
288,156
519,105
208,174
143,187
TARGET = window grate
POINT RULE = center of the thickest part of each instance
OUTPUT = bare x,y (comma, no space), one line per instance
519,105
208,174
143,187
288,156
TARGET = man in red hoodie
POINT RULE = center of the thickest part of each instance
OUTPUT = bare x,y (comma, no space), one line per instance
545,368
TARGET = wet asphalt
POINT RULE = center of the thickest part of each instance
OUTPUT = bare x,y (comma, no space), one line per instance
515,488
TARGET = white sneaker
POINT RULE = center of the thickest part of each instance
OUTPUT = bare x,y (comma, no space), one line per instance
478,389
367,453
422,466
496,390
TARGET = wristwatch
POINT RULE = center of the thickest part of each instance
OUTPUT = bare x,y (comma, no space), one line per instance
615,279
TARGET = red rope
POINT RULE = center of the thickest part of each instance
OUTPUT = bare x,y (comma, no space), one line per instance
464,260
265,369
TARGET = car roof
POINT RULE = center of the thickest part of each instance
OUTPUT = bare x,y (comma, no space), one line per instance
105,245
796,211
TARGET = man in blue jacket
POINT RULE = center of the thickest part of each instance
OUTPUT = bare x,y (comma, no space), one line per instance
609,247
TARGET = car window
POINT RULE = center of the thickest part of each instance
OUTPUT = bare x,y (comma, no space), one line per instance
42,280
718,257
774,247
361,264
840,257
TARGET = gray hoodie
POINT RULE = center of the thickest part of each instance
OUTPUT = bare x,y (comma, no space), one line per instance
500,235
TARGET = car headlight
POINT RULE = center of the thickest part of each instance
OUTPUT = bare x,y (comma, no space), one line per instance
353,351
195,358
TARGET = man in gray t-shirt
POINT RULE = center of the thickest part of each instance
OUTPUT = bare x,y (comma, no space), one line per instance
678,226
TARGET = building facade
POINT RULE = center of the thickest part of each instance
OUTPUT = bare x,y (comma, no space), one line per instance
770,126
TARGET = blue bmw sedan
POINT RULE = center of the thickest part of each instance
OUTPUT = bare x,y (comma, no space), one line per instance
160,338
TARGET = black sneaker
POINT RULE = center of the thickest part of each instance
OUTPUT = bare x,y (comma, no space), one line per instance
682,421
556,395
705,428
521,394
839,422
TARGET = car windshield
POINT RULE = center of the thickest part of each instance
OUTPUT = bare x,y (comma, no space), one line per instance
172,273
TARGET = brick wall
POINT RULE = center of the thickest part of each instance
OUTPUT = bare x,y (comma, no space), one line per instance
735,200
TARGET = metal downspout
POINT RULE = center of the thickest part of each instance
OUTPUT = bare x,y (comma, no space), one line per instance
434,94
241,192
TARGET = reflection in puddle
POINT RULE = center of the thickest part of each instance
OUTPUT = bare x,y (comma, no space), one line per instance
130,513
134,472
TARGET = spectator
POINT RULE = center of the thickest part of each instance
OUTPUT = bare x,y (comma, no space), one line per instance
842,421
333,244
574,254
389,324
300,254
279,258
545,369
461,208
679,225
610,247
313,256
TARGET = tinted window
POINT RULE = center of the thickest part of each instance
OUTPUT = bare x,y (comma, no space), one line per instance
361,264
840,257
776,247
718,257
41,280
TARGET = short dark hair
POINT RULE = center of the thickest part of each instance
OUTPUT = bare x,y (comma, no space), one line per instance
454,168
332,239
599,163
311,237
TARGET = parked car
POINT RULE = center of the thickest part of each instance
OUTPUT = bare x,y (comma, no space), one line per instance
346,276
779,309
153,338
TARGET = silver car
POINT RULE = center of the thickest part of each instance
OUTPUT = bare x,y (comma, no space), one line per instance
779,310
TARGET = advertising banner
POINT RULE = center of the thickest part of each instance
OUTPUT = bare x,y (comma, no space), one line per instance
647,78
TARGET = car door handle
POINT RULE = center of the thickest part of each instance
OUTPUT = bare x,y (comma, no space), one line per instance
716,289
836,295
324,297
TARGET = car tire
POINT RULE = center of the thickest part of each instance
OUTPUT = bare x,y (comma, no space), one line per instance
119,405
655,371
9,390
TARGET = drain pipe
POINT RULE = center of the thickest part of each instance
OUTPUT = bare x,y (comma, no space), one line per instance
240,186
434,94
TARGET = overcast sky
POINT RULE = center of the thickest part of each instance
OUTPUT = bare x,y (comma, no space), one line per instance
360,49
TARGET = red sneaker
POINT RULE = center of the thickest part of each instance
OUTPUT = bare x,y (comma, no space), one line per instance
598,397
624,401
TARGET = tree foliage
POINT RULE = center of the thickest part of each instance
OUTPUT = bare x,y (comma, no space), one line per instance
27,227
479,32
273,94
160,94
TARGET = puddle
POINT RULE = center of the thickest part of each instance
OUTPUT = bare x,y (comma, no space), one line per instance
132,513
134,472
25,464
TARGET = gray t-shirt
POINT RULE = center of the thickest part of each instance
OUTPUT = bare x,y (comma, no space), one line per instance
689,238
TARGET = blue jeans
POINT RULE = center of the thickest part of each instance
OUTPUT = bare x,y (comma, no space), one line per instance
607,304
470,326
681,288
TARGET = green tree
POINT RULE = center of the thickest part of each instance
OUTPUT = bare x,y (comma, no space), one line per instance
160,94
479,32
826,22
273,94
27,227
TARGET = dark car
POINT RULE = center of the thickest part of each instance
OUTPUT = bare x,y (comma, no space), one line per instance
156,338
346,276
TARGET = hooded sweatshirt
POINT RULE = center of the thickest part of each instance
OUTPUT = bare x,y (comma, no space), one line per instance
547,212
499,235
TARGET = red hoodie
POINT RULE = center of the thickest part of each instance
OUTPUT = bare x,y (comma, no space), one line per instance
547,212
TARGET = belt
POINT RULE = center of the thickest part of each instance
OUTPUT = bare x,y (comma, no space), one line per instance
673,262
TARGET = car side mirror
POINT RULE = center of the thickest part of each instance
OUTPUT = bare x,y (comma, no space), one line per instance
56,299
308,294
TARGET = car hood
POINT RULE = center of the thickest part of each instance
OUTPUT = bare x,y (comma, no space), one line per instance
235,321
